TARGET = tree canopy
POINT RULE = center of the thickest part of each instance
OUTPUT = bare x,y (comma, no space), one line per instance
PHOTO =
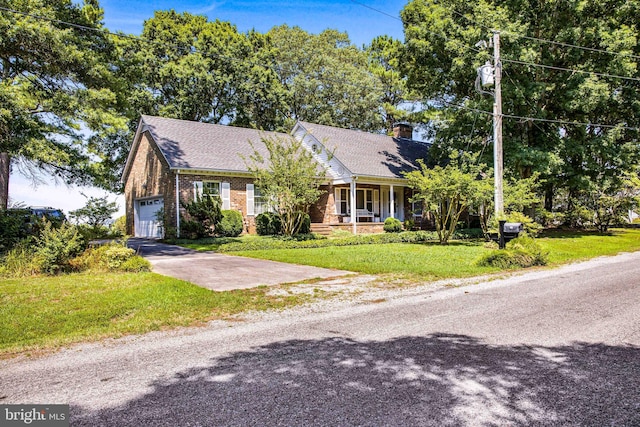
441,60
58,95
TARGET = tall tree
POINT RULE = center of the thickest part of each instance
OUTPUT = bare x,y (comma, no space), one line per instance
55,90
326,79
385,56
441,63
191,68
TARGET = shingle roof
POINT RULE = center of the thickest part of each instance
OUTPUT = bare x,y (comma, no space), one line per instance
195,145
367,154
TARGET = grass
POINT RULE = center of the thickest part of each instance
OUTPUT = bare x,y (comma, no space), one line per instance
569,246
46,312
428,261
41,313
433,261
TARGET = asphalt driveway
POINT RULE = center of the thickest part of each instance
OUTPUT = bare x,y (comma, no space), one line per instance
220,272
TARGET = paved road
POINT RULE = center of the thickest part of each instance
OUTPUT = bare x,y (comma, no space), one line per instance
220,272
548,348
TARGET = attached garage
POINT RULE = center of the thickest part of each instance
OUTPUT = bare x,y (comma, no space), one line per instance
146,218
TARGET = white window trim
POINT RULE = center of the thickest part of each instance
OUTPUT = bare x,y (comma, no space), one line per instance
339,200
250,200
225,194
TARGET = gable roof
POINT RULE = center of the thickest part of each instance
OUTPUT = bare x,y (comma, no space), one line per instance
196,145
193,145
368,154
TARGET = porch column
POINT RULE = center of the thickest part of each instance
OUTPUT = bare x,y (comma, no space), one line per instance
392,201
177,204
352,203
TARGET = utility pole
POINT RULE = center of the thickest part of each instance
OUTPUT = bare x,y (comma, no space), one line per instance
497,127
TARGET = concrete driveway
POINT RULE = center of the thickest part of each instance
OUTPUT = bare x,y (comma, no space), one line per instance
220,272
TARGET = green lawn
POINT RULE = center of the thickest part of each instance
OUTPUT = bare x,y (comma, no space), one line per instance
39,313
46,312
433,261
574,246
428,261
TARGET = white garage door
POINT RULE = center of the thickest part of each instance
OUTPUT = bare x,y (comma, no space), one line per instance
147,224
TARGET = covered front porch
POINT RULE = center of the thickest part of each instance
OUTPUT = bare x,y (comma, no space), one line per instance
362,206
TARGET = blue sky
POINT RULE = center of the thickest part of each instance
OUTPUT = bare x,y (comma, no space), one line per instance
361,24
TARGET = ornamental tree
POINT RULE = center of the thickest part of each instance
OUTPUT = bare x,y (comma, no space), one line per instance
289,178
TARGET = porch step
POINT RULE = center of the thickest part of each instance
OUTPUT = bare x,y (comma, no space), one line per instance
322,229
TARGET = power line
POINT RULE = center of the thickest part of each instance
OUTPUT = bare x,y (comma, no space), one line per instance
376,10
140,39
434,33
551,67
537,119
591,49
541,40
162,44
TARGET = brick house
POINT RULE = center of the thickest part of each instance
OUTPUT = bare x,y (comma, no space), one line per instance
171,160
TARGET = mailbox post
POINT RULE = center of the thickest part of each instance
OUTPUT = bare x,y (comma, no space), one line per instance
501,242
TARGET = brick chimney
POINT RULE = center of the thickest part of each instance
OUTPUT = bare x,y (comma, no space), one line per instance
402,130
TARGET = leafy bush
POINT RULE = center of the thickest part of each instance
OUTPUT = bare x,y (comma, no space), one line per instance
268,224
93,232
14,226
521,252
135,264
110,257
55,247
190,229
531,227
409,224
230,225
20,261
468,234
204,211
305,224
392,225
360,239
119,226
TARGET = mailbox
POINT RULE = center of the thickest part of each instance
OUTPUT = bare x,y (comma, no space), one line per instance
513,228
508,231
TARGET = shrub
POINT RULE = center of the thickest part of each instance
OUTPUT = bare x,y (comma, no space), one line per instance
90,233
190,229
339,233
409,224
521,252
119,226
110,257
204,211
531,246
230,225
392,225
55,247
135,264
305,224
360,239
15,227
268,224
468,234
531,227
20,261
